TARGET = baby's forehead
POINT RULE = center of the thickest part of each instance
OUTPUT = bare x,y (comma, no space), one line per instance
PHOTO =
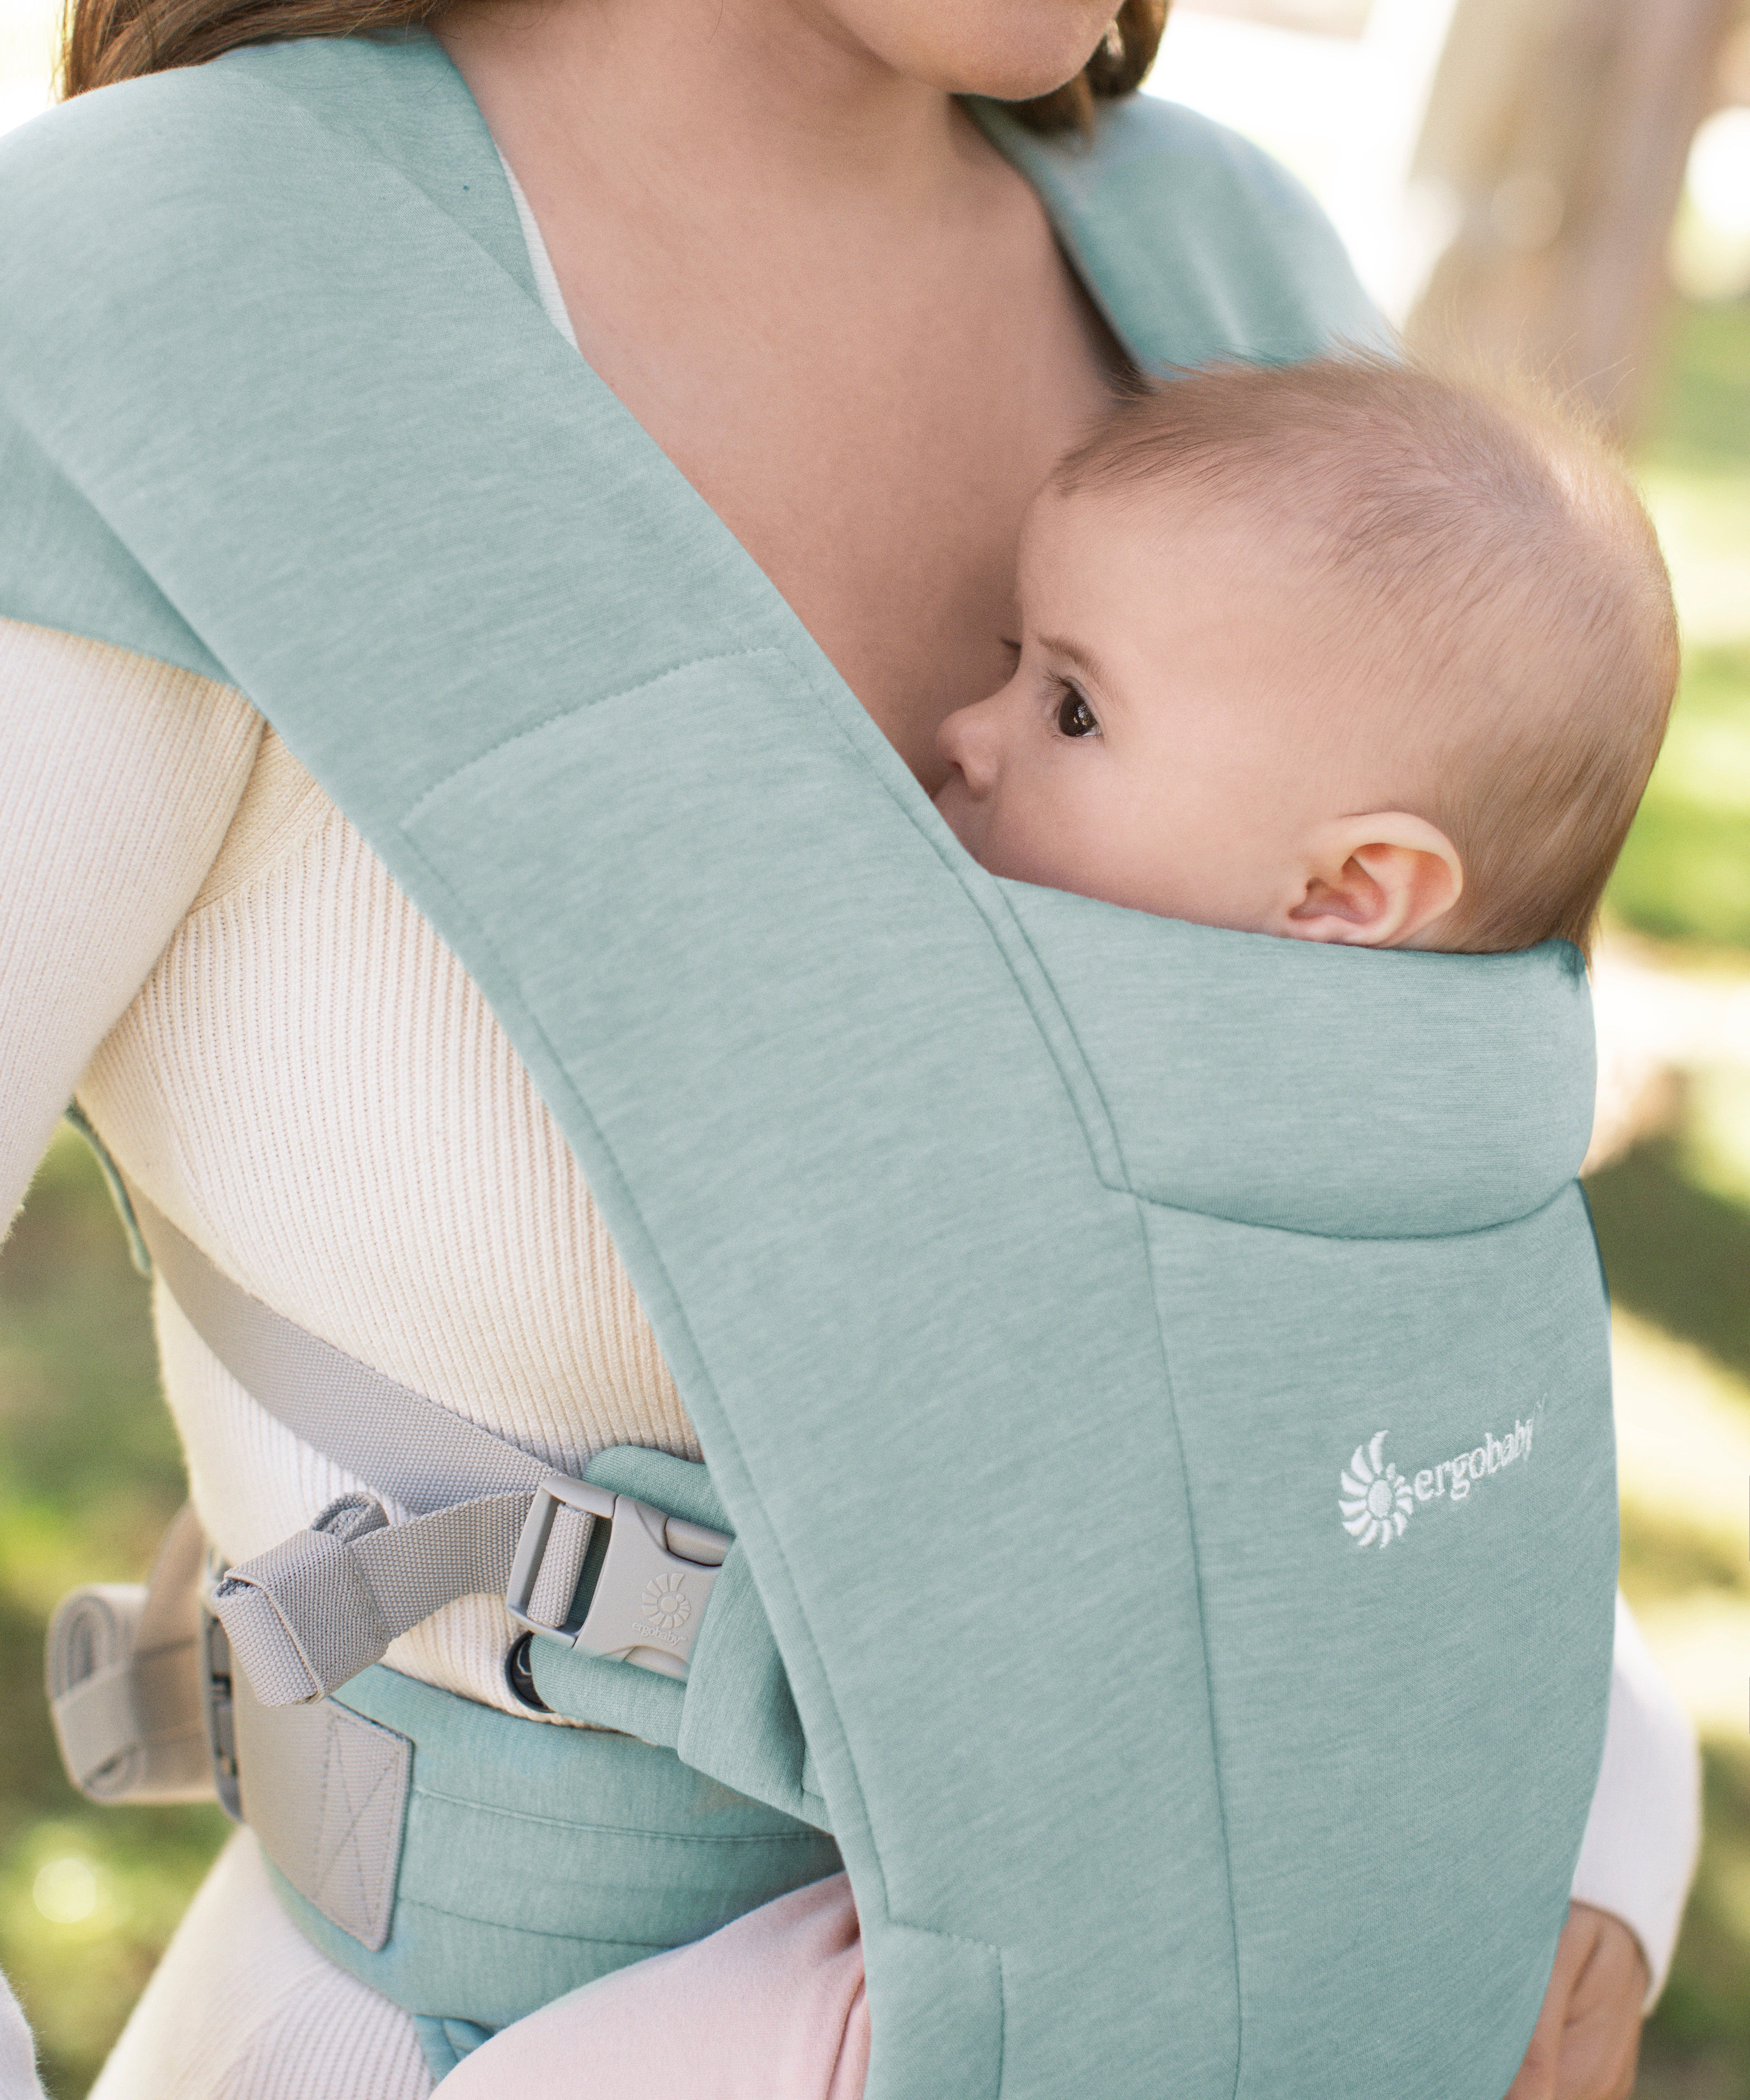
1438,526
1170,548
1250,590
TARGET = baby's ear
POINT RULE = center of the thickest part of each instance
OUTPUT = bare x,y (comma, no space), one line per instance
1374,882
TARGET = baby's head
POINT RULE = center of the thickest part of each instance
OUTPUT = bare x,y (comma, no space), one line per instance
1339,651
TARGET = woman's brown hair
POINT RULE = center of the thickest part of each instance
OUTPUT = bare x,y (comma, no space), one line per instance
104,41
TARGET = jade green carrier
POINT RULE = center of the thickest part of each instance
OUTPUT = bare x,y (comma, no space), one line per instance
1155,1379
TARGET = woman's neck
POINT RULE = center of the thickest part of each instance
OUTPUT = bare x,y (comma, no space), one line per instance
731,106
821,291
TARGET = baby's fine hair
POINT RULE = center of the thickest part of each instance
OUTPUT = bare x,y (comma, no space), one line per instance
1486,558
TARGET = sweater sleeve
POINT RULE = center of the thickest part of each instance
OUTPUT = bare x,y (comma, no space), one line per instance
18,2054
119,776
1645,1830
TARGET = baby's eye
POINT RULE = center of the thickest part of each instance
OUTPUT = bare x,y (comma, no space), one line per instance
1075,717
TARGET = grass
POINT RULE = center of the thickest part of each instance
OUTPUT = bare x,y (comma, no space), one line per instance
90,1474
1685,873
1685,876
1697,2045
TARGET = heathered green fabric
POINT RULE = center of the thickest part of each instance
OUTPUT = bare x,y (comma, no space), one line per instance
538,1859
1027,1338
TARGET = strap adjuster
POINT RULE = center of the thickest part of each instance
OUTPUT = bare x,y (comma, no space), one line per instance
652,1583
218,1693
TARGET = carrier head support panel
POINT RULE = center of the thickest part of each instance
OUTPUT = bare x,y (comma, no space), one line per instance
1156,1378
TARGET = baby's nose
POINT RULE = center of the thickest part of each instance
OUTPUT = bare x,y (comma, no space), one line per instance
964,739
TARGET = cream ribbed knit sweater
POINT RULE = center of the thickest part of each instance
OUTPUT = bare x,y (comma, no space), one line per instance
283,1054
279,1050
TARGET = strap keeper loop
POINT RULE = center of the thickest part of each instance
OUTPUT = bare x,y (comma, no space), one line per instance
324,1596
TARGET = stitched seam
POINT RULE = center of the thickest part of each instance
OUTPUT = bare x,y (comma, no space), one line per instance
342,1853
990,916
1361,1239
410,813
959,868
615,1829
313,1870
370,1899
683,1330
1203,1635
1088,1064
982,1947
958,862
534,1931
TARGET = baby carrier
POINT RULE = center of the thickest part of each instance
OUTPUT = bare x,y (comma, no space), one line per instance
1160,1516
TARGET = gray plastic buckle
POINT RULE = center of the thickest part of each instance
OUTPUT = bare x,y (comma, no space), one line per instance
652,1585
221,1713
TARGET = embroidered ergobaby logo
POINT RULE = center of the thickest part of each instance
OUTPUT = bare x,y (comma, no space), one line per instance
1376,1502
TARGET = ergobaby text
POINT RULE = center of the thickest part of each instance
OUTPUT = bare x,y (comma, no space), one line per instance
1376,1501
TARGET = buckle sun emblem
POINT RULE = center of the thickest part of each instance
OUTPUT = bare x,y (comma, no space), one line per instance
666,1604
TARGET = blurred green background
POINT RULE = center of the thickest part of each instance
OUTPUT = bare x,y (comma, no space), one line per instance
90,1473
1673,1207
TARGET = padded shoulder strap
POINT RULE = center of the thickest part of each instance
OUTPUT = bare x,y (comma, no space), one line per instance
1195,245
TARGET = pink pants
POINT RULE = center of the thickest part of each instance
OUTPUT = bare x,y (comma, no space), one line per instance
770,2008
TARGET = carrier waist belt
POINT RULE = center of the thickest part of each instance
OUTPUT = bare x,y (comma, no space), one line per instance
311,1614
466,1863
493,1864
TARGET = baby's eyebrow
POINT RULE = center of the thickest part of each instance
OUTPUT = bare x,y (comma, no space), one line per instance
1083,658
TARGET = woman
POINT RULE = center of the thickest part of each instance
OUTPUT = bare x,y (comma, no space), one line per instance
800,267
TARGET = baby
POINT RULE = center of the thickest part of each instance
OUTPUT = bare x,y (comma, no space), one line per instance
1339,652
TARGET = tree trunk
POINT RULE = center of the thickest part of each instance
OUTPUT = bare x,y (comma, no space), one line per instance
1556,139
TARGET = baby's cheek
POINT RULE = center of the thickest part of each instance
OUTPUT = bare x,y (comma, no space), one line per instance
955,808
1023,853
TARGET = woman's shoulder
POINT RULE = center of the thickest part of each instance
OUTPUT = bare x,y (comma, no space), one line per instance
168,137
1197,242
167,240
123,202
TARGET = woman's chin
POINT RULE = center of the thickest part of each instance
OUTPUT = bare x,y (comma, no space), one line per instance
1007,78
1004,50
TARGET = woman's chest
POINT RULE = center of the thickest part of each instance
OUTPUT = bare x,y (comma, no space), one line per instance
872,435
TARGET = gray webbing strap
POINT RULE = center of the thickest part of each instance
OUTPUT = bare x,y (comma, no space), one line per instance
312,1612
407,1448
124,1679
96,1715
307,1614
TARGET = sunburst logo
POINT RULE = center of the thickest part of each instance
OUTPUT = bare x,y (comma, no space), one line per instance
666,1604
1376,1502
